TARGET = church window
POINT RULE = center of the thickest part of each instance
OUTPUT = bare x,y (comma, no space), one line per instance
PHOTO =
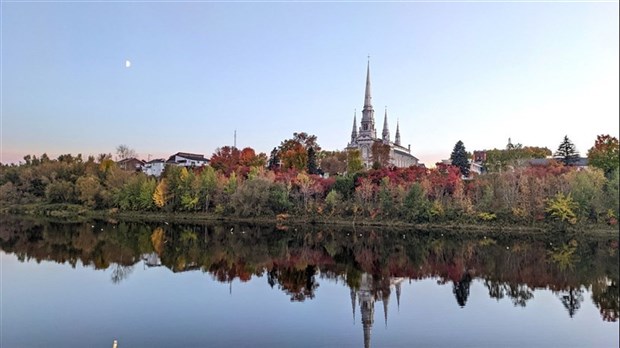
365,126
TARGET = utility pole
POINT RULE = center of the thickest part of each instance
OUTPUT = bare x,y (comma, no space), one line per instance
235,141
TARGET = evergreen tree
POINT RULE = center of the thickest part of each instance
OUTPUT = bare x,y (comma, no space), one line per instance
459,158
274,159
567,152
312,169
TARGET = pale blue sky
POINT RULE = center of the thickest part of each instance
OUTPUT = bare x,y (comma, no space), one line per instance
476,72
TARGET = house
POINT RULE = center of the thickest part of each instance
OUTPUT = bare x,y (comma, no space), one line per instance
132,164
186,159
154,167
581,163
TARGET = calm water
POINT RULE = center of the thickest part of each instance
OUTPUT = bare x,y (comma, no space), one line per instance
167,285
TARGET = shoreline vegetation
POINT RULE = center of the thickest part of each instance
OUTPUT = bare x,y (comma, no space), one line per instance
77,213
300,184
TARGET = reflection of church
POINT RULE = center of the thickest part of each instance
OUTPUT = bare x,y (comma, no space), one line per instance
373,290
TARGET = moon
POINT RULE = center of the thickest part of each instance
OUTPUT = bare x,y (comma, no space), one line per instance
127,64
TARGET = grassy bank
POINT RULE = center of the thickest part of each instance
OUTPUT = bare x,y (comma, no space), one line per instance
75,212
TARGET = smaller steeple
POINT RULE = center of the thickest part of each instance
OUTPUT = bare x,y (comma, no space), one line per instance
397,139
386,131
354,131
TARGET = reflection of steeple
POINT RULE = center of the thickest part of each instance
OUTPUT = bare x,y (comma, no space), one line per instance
386,301
397,286
353,303
369,291
367,306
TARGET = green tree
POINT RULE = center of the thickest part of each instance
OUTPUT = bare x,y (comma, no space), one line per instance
567,152
312,168
274,160
417,207
354,162
562,208
605,154
459,158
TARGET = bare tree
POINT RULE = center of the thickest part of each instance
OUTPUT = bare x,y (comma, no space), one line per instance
123,151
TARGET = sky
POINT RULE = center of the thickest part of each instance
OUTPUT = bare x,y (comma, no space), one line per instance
479,72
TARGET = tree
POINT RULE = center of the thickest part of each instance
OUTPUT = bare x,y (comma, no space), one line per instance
294,152
605,154
334,162
274,160
459,158
354,161
312,169
123,152
567,152
225,159
159,196
380,154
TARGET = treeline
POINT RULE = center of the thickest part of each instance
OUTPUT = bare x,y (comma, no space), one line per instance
242,184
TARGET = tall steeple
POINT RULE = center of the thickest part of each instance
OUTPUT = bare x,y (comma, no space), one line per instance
386,131
367,96
397,140
354,131
368,113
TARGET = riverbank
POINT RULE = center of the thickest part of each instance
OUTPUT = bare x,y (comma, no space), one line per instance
77,213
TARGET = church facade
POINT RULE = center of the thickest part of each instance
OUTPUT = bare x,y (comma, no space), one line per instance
363,138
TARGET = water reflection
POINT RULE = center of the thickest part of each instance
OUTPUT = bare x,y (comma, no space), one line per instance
373,263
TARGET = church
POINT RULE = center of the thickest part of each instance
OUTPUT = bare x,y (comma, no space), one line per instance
363,138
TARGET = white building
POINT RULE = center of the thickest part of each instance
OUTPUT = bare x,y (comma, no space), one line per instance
154,167
186,159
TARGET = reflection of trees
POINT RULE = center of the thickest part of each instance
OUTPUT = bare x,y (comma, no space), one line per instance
518,293
565,256
510,266
605,295
571,300
299,284
120,273
460,289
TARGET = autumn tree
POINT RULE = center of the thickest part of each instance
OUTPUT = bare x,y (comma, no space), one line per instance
567,152
159,196
334,162
459,158
605,154
225,159
294,152
380,155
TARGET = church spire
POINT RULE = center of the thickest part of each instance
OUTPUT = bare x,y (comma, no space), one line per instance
367,96
354,131
368,113
386,131
397,139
